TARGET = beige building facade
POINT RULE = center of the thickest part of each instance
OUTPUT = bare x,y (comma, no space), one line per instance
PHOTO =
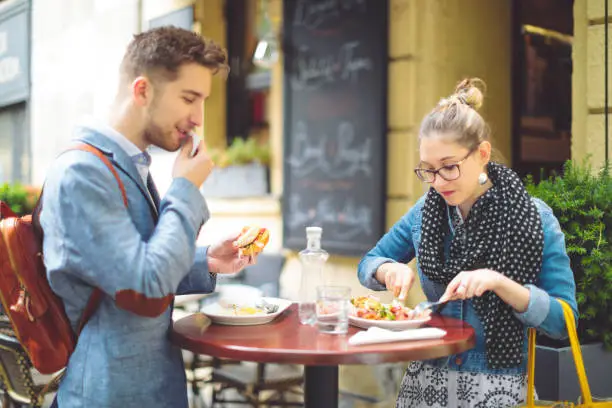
76,49
432,45
588,102
425,63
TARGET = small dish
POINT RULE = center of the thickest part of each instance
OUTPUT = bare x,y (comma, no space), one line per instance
226,315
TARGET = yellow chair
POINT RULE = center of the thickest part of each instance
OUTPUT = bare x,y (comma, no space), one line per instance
586,401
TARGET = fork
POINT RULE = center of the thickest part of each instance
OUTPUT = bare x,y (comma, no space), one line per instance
269,308
421,307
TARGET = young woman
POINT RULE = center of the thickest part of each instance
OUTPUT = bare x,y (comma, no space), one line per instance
482,242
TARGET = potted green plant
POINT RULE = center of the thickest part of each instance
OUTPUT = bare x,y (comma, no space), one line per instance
581,199
241,170
21,199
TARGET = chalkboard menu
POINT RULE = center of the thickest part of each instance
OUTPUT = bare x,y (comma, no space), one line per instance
335,122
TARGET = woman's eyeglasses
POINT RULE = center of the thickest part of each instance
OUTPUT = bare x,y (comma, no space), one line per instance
448,172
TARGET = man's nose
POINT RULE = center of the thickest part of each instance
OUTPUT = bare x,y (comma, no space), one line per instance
197,116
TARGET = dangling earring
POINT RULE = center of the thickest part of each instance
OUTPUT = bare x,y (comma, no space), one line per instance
482,178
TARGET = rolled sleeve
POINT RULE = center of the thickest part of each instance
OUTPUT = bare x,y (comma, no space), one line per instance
538,308
395,246
368,278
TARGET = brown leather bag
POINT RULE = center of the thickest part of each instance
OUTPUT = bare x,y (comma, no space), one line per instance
36,313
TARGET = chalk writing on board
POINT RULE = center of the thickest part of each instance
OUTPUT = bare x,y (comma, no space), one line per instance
311,14
335,78
352,220
348,157
313,72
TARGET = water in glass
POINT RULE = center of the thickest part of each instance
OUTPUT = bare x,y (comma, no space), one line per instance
332,309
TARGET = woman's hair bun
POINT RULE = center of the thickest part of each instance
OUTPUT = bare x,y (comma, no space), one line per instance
470,91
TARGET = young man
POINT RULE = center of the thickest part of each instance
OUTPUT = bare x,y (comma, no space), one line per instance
141,255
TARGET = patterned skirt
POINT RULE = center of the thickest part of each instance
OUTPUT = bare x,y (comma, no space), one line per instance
426,386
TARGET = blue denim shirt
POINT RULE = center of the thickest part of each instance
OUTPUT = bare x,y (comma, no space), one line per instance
556,279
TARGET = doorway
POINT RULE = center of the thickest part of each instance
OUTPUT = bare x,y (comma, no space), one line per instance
542,86
14,145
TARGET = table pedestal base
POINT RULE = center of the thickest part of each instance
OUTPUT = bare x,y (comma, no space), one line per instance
321,386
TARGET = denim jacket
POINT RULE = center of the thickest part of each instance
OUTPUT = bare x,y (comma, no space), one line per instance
556,279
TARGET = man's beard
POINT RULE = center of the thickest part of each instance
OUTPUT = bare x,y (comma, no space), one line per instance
155,136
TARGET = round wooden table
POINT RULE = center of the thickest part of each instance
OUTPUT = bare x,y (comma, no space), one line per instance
285,340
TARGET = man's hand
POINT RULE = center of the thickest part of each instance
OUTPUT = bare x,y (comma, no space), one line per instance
223,257
195,169
397,277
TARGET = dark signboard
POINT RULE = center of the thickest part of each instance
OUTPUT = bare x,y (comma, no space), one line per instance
335,122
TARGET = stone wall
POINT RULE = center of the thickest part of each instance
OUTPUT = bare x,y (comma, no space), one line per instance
588,98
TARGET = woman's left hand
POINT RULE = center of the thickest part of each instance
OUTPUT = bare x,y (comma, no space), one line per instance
468,284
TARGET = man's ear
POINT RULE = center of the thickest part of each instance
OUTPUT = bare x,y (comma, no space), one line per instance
142,91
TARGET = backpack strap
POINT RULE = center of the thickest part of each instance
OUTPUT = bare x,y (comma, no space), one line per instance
97,294
5,211
89,148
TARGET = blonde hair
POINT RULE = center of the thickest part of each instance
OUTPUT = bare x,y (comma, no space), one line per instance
457,116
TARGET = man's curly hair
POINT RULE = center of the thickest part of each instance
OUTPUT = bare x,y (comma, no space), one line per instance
160,52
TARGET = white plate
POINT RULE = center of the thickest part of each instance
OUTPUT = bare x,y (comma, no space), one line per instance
221,315
388,324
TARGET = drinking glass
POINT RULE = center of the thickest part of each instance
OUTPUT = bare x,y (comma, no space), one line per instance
332,309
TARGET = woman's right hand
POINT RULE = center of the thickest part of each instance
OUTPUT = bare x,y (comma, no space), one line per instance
397,277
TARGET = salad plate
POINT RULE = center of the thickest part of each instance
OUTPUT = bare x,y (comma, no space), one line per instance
368,311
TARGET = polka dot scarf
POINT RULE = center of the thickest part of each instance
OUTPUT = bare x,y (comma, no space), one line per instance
502,232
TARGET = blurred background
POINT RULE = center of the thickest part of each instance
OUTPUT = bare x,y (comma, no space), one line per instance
317,122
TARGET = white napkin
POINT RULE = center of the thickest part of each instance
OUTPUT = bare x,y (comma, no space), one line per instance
196,142
377,335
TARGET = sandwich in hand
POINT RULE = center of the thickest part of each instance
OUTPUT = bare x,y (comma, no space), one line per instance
252,240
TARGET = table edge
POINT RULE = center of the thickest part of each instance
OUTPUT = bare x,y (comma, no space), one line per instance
355,357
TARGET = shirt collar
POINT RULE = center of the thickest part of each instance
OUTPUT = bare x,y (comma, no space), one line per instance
142,159
139,157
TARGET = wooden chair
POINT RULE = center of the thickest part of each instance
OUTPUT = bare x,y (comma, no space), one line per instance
21,384
197,367
259,384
